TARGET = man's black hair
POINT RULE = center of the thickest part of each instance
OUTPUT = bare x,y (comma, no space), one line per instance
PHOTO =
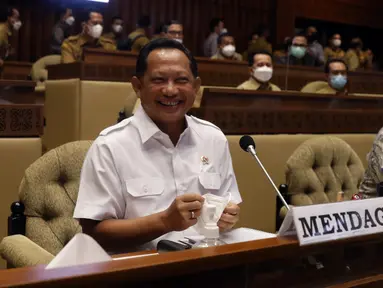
219,39
117,17
163,43
252,55
214,23
6,12
62,11
334,60
85,17
144,22
171,22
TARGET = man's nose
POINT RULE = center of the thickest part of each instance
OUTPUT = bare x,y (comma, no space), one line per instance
170,90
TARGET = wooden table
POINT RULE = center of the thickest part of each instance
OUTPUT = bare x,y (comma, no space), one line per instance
20,92
276,262
101,65
21,120
15,70
256,112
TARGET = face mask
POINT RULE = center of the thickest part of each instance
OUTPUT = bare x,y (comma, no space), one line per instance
228,50
298,52
336,42
70,20
263,74
179,40
223,31
17,25
338,81
96,31
117,28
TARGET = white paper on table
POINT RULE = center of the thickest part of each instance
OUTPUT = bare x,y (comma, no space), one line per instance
240,235
82,249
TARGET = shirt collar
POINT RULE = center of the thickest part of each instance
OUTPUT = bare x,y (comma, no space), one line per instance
147,128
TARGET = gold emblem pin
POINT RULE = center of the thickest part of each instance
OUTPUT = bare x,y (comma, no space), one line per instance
205,160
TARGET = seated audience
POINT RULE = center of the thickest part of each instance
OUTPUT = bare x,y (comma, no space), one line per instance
261,71
281,55
175,31
314,48
226,49
9,22
258,42
210,46
298,53
373,175
160,32
357,58
140,37
62,30
334,50
110,205
336,73
72,48
116,31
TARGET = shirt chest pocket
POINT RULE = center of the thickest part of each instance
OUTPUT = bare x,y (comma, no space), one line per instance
143,196
209,180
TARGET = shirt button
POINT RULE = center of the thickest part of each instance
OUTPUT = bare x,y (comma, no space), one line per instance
146,189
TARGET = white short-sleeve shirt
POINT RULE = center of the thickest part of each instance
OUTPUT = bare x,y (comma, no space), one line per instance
133,169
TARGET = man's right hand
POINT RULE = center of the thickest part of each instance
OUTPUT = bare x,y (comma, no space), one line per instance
178,216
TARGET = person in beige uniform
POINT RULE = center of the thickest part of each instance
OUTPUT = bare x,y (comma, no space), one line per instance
336,73
334,50
261,71
10,22
72,48
140,37
226,49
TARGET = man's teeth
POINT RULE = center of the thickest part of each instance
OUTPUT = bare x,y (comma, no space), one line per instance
170,103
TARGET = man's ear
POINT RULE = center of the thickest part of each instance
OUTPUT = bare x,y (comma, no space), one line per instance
137,86
250,70
197,85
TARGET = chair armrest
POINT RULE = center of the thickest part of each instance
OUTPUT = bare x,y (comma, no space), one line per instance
19,251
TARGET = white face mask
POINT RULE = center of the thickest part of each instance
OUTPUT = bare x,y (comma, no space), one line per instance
337,42
117,28
223,31
17,25
263,74
228,50
179,40
95,31
70,20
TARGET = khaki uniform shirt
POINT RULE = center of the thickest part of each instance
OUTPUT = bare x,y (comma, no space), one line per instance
251,84
355,61
329,90
5,33
71,50
219,56
140,42
329,53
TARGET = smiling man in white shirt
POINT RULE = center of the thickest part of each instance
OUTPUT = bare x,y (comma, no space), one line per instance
144,177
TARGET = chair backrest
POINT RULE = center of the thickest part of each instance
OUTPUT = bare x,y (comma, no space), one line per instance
39,72
320,168
49,192
314,87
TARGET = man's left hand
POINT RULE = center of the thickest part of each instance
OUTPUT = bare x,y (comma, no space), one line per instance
230,217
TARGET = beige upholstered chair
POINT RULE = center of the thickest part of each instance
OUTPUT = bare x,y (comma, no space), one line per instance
313,87
49,192
39,72
320,168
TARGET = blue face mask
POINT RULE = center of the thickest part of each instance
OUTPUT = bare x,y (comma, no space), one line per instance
298,52
338,81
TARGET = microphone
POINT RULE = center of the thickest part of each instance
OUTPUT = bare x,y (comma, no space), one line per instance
248,145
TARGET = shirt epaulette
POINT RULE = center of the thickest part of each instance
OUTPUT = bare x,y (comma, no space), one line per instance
73,38
117,127
203,122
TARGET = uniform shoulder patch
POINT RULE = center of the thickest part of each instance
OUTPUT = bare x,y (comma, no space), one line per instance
204,122
117,127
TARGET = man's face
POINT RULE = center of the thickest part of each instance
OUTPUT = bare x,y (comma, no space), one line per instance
261,60
227,40
15,16
118,22
94,19
300,41
68,14
175,31
336,37
337,68
220,27
168,88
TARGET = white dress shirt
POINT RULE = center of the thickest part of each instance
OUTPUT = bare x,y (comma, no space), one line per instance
133,169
